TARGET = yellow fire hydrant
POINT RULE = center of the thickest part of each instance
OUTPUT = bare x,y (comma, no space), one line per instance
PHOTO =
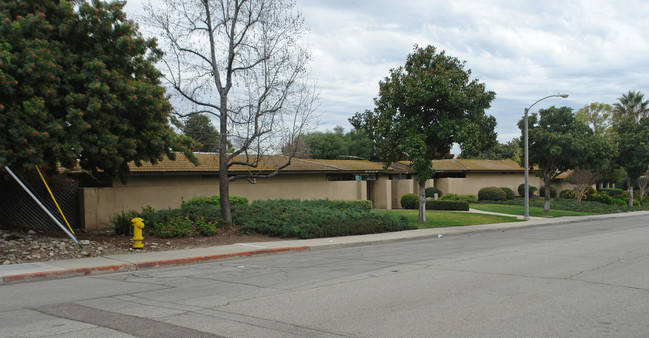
138,224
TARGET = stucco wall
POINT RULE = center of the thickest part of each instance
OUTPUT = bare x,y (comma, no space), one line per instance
382,193
100,204
400,188
476,181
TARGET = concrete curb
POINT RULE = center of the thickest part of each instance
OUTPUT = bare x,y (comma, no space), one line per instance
124,267
133,262
66,273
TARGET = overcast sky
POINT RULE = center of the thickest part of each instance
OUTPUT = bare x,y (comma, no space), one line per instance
593,50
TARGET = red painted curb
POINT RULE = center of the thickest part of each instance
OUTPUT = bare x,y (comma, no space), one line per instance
66,272
198,259
141,265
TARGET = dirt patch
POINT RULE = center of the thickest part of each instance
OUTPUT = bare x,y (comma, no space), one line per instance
23,247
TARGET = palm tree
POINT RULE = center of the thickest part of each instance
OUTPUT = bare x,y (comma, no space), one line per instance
631,104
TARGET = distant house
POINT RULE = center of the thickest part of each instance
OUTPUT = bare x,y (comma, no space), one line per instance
169,183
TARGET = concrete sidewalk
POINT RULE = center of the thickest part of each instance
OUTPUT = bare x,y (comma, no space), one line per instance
25,272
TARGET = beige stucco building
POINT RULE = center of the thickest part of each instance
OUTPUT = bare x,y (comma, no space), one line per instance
169,183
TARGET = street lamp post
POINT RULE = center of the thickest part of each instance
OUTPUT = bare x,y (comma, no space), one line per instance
527,160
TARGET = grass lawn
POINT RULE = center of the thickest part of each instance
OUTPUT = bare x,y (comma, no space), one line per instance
440,218
520,210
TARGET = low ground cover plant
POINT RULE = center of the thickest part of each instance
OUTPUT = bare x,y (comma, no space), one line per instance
571,205
469,198
450,197
312,219
200,216
432,204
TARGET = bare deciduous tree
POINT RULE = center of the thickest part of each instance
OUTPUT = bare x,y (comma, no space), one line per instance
643,185
243,62
582,179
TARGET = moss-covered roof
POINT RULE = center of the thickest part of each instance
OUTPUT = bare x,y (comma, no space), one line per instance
209,163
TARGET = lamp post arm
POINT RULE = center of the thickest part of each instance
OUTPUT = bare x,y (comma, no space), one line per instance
547,97
526,214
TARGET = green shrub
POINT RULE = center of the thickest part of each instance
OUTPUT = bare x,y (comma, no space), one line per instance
430,192
191,219
568,194
491,194
410,201
214,201
521,190
618,202
613,192
122,224
450,197
508,192
588,192
599,197
176,226
553,192
625,197
312,219
447,205
365,204
469,198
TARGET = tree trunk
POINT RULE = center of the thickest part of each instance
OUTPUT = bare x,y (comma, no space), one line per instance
548,192
224,189
224,179
422,202
630,191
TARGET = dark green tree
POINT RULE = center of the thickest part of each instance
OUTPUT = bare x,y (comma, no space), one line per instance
78,87
339,145
559,142
365,125
511,150
426,106
327,145
201,130
632,142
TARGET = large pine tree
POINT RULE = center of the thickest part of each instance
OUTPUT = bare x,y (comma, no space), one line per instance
78,87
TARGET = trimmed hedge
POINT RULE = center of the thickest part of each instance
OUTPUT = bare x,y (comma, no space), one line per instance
312,219
410,201
613,192
491,194
447,205
521,190
430,192
509,192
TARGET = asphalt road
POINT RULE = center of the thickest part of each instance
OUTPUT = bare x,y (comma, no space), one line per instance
578,280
